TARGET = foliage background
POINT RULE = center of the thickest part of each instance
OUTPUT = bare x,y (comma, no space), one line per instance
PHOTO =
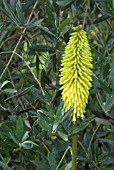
35,132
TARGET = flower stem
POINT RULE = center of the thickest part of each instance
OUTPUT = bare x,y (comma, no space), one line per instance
74,147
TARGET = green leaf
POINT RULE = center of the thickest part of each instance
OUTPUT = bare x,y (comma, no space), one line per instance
111,75
31,142
7,7
80,128
13,5
100,114
110,142
28,144
113,3
25,91
34,24
102,121
65,2
14,138
10,12
6,32
4,83
40,165
4,166
9,91
58,116
67,114
54,96
109,103
68,166
20,12
6,130
64,24
25,136
45,29
102,18
63,135
104,86
52,160
108,162
50,15
44,123
106,70
38,94
20,128
40,48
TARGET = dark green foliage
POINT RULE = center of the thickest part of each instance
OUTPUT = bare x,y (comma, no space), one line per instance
35,131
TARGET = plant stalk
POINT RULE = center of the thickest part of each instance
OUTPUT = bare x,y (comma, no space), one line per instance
74,147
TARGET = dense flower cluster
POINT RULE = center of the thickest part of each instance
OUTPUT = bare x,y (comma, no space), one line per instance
76,74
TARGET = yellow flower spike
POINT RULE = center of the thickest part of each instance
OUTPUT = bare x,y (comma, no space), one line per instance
76,74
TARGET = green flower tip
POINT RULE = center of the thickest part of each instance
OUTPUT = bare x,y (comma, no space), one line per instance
76,74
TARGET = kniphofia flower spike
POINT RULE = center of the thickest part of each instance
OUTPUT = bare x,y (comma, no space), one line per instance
76,73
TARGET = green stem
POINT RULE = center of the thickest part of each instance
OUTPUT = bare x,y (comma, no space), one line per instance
74,147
